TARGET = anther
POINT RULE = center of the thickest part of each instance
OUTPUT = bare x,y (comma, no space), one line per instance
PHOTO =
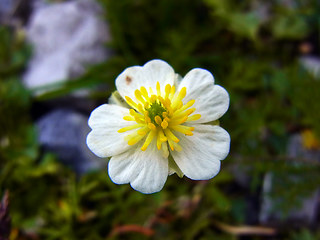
190,111
132,112
194,117
148,140
142,132
144,93
153,98
152,126
170,135
164,124
124,129
167,90
158,120
158,89
172,92
130,102
128,118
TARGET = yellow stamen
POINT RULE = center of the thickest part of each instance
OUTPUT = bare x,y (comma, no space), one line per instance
150,90
182,93
153,98
178,121
184,129
171,144
190,111
139,119
131,102
128,118
170,135
148,140
158,89
178,105
144,93
163,138
146,105
138,96
133,138
152,126
159,116
132,112
121,130
183,114
167,90
167,103
178,148
165,152
194,117
173,91
186,106
177,100
164,114
158,120
159,142
164,124
137,116
140,108
143,131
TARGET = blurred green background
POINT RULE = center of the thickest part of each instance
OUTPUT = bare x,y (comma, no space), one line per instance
254,49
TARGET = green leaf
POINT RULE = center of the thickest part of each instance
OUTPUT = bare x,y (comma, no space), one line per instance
290,27
245,24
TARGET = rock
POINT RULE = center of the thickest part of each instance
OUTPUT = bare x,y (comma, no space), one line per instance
66,37
6,7
14,12
274,209
64,133
297,150
312,65
272,213
241,174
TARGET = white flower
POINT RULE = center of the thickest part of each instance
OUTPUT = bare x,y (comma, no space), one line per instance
160,128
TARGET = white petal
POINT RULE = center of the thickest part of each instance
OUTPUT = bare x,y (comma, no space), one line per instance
148,75
212,101
104,139
146,171
201,153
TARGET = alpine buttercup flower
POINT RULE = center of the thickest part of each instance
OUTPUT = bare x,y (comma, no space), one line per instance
158,124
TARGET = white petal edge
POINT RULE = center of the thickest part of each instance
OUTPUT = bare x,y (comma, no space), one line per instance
104,139
211,101
146,171
201,153
154,71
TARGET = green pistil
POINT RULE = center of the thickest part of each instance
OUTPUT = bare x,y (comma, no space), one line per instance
156,109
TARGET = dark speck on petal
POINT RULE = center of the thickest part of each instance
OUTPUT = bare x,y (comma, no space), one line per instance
128,80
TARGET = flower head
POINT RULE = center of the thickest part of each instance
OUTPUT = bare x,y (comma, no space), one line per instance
157,125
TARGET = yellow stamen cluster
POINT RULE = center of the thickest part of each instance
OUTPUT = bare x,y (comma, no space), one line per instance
157,116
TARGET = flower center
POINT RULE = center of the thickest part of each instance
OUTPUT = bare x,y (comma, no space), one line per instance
159,116
156,109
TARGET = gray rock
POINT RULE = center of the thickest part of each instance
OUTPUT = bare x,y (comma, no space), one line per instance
296,150
241,174
275,209
14,12
6,9
66,37
311,64
6,6
64,133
